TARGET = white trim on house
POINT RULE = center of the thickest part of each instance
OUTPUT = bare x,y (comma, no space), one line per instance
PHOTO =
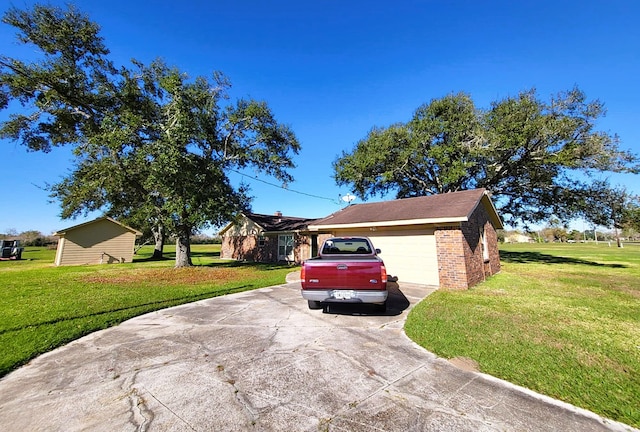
391,223
245,228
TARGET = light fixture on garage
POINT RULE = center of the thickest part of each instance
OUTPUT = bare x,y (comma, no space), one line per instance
373,229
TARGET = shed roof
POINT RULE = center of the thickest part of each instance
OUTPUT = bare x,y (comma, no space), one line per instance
442,208
62,232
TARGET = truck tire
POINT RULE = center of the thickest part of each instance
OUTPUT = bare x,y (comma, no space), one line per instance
314,304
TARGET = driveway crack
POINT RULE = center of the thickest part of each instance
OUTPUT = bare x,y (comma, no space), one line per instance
140,415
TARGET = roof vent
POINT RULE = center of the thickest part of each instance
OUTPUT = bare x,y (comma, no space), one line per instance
278,213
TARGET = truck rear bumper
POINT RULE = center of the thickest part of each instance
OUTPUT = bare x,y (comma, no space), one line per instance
345,296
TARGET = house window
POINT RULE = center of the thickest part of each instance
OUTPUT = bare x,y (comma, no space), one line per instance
262,241
285,247
485,244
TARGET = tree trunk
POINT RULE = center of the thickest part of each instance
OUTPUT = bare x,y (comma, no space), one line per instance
158,235
183,248
618,241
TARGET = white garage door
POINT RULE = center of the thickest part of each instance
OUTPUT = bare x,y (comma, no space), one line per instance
410,255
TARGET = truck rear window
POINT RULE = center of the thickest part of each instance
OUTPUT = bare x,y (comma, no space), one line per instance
351,246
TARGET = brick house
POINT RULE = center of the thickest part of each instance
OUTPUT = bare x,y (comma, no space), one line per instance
448,240
269,238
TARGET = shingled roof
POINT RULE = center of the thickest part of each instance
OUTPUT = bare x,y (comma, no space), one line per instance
278,223
443,208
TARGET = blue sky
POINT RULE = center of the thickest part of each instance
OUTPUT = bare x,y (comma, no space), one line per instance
332,70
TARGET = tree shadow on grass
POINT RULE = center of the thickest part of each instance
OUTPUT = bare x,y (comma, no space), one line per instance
249,264
152,258
204,254
540,258
217,262
171,256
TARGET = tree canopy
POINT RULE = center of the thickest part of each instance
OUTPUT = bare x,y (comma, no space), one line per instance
151,144
525,151
612,207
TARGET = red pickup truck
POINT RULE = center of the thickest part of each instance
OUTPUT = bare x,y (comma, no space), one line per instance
347,270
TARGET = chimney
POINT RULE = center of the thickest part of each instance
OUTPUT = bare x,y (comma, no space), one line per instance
278,213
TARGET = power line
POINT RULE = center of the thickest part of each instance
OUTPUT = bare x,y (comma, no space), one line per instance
286,189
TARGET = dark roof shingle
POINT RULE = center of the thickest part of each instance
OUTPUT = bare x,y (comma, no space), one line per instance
279,223
449,206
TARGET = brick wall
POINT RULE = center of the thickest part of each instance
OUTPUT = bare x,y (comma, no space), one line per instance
268,252
239,247
247,248
461,258
452,269
474,249
493,266
302,247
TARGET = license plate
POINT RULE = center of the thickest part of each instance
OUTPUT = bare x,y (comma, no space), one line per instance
343,294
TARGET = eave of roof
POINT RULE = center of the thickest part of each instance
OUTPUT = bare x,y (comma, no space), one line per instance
432,221
283,231
452,207
64,231
264,223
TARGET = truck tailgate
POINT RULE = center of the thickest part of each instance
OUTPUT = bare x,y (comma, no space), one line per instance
351,274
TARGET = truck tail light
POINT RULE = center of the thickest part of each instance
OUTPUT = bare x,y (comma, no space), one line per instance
383,273
302,274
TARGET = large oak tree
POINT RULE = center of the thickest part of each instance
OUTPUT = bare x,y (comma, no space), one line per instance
524,150
151,144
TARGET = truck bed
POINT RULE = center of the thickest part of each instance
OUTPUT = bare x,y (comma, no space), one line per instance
348,270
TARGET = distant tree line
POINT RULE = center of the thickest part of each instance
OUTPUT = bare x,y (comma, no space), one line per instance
555,234
29,238
37,238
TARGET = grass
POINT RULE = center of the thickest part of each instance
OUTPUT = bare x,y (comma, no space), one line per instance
560,319
43,307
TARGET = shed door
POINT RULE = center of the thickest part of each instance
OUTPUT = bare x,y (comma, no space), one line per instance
409,255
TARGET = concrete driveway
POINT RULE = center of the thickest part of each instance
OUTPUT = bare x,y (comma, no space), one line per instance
262,361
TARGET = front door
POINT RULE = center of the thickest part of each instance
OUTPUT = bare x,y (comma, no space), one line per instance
285,247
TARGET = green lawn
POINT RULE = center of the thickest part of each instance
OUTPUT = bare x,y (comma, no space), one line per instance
43,307
561,319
